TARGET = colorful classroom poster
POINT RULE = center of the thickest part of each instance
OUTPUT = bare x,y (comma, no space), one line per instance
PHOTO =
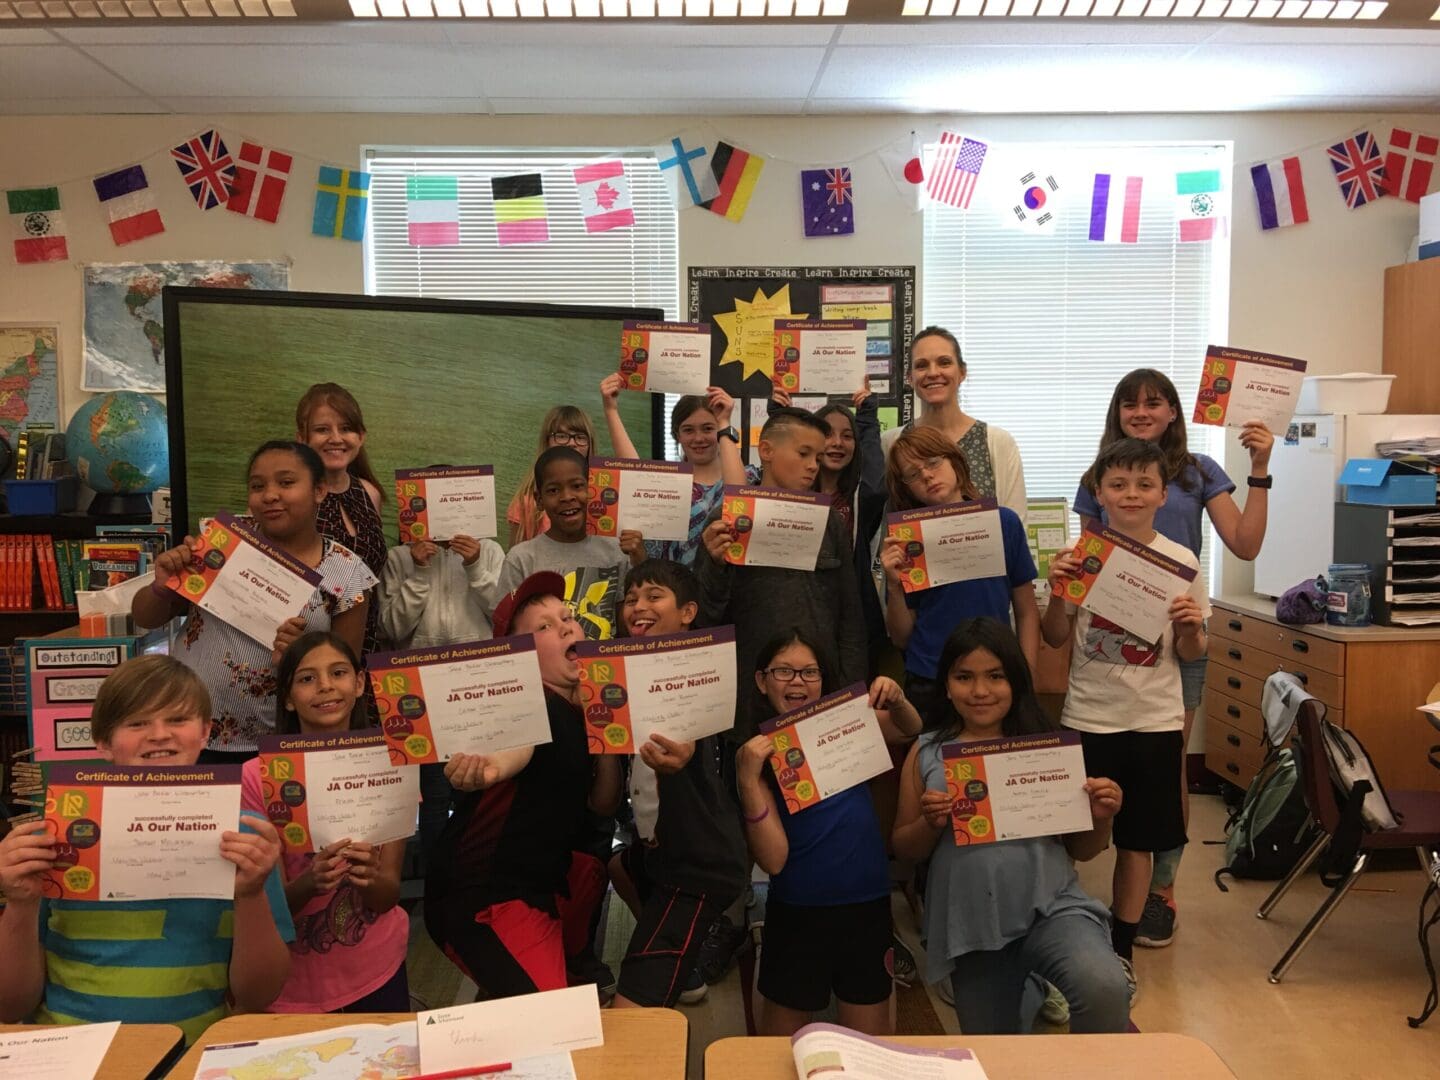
944,544
680,685
1047,531
62,677
475,698
141,832
665,357
1012,789
649,497
1126,582
820,357
446,501
775,527
1237,386
318,789
826,747
243,579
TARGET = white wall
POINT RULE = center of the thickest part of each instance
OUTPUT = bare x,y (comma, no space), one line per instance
1313,291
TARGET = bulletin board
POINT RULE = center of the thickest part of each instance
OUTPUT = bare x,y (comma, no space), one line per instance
742,302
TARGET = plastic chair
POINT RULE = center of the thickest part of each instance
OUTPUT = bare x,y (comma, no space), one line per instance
1417,811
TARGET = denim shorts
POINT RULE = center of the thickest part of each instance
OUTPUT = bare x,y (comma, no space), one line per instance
1192,681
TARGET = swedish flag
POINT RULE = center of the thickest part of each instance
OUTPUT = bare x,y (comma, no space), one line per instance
342,197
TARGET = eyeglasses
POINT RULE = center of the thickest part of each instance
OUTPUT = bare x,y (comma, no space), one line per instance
788,674
573,438
926,466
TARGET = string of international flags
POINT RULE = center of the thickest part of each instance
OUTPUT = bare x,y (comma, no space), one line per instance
717,176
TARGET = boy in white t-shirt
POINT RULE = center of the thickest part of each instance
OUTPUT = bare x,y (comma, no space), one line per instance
1124,696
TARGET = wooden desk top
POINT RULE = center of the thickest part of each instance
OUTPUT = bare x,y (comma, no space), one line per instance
1264,608
640,1044
1075,1057
135,1054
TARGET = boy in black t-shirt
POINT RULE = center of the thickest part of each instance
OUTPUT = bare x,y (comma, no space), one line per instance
689,859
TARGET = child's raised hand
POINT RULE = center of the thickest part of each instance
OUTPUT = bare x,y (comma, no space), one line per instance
26,853
780,397
289,631
751,758
858,398
422,551
885,692
610,388
632,543
330,865
364,863
170,563
666,756
467,547
471,772
1259,440
254,854
1064,567
936,805
893,559
716,538
1105,797
722,405
1185,614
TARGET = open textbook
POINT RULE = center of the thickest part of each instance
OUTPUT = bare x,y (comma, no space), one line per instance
828,1052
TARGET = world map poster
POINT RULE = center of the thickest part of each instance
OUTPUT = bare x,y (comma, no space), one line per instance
124,328
29,378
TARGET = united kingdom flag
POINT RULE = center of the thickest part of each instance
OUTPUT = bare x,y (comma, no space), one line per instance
1359,169
207,168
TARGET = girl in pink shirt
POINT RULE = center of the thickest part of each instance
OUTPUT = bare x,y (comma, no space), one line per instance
350,934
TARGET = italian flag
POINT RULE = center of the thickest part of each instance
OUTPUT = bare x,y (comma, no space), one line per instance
37,225
1197,209
433,210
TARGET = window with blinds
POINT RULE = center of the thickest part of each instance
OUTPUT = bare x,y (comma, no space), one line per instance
1049,323
631,267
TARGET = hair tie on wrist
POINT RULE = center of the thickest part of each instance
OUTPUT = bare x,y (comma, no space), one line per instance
758,817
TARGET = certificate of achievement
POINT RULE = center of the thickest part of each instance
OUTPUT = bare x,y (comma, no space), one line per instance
243,579
1237,386
510,1031
475,698
71,1052
958,542
775,527
819,357
823,748
681,685
1013,789
665,357
651,497
135,832
322,788
1126,582
436,504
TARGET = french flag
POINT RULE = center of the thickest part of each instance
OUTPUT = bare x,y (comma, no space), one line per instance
1280,193
1115,209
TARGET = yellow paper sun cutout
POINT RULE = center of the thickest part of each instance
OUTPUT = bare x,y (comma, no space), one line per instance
749,331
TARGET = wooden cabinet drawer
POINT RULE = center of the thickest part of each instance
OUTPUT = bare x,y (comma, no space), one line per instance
1237,714
1231,753
1286,641
1328,687
1231,681
1229,766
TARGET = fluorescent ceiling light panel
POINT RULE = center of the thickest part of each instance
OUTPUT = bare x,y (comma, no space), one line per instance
475,9
1050,9
140,9
252,8
56,9
1345,9
996,7
282,9
447,9
1077,8
966,7
781,8
1265,9
748,8
1293,9
1372,9
1239,9
728,9
613,9
392,9
1104,9
1024,8
502,9
1212,9
1185,9
805,9
416,9
834,8
84,9
1158,9
1319,9
696,7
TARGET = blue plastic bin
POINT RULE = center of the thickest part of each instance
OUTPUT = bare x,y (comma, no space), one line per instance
32,497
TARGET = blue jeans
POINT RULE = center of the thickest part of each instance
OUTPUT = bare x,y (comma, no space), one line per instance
1072,951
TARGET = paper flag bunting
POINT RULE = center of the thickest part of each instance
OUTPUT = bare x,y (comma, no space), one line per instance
1409,163
736,173
37,225
685,166
1280,193
1036,202
261,177
952,176
604,192
206,167
1359,169
520,216
1197,205
904,160
1115,209
827,202
342,197
129,204
432,209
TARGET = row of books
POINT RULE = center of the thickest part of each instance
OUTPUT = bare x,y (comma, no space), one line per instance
38,571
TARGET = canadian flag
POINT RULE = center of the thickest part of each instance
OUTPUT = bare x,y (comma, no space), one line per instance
604,194
1409,162
261,177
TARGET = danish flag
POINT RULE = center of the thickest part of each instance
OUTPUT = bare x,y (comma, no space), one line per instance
261,177
1409,164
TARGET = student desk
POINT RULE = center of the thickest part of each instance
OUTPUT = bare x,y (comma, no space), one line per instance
1075,1057
137,1053
640,1044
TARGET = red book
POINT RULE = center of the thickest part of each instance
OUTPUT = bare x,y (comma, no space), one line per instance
49,573
27,572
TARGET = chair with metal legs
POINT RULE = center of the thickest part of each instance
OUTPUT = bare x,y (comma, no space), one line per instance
1417,811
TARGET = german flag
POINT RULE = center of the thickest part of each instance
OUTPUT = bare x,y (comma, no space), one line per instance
735,171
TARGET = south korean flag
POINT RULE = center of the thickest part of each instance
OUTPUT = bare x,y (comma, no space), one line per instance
1037,202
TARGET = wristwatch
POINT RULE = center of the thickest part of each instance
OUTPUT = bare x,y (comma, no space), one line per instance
1260,481
729,433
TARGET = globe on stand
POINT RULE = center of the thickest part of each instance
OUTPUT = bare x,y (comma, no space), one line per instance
119,444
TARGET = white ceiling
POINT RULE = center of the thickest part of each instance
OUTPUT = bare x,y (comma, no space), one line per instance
1023,66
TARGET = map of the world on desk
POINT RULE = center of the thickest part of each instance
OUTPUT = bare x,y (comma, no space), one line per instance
29,378
358,1052
124,325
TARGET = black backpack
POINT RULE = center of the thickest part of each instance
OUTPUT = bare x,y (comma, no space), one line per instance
1273,828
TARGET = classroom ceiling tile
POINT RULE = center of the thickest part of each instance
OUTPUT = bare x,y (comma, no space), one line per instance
1320,69
654,107
361,71
78,106
288,104
25,36
53,71
698,73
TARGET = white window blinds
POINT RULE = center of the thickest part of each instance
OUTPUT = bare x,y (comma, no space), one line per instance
1049,323
633,267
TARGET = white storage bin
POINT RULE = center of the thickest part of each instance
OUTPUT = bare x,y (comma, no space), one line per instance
1356,392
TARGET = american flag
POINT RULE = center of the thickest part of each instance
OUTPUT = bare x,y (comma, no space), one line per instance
1409,164
206,167
1359,169
838,186
956,168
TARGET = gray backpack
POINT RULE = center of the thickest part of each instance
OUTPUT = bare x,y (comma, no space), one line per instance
1272,828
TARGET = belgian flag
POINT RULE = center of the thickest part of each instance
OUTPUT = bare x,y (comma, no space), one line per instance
735,171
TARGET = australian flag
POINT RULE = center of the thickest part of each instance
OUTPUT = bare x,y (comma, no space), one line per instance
207,168
1359,169
827,201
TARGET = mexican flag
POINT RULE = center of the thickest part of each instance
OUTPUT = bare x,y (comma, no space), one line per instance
432,206
1198,207
37,225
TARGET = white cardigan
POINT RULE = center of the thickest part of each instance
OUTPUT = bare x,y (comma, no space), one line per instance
1004,459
